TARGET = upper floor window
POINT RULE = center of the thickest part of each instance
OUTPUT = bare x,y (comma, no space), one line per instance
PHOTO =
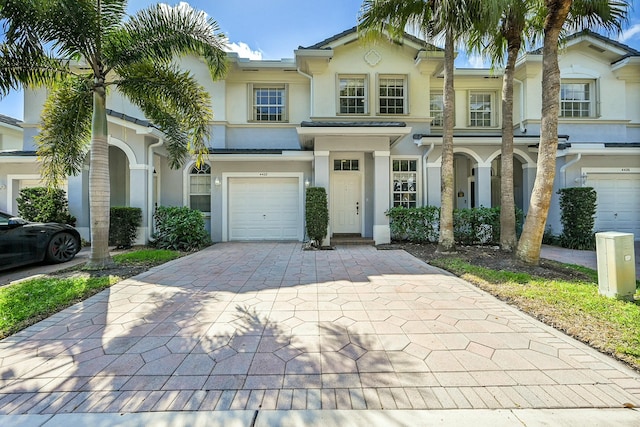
269,103
480,109
392,95
352,95
405,182
576,99
436,105
200,188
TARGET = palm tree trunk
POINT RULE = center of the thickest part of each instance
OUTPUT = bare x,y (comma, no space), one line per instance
99,185
531,240
508,238
446,242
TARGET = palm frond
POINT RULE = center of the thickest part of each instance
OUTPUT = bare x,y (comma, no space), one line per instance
27,65
66,129
161,32
394,17
609,15
175,102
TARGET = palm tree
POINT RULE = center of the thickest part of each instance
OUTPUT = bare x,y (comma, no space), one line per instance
495,36
81,49
451,19
559,15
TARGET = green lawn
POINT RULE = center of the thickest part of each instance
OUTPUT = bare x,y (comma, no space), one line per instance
25,303
611,325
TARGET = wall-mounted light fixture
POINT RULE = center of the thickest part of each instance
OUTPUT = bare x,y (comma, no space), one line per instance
460,193
217,182
307,183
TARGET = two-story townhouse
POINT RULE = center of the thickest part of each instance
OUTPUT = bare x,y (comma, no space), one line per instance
364,121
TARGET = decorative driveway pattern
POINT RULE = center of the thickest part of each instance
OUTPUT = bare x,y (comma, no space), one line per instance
270,326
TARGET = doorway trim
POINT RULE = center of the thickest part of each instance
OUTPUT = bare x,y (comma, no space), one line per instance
350,155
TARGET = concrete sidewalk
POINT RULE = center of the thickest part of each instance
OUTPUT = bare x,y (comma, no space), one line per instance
269,327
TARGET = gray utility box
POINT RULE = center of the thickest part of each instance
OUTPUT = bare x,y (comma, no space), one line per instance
616,265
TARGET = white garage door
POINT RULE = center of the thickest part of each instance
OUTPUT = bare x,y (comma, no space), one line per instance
264,209
618,202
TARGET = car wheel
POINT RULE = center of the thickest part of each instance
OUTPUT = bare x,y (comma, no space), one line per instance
62,248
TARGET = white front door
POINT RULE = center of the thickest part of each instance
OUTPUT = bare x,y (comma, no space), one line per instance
346,203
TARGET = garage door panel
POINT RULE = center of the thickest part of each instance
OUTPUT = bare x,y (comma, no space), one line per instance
264,209
618,202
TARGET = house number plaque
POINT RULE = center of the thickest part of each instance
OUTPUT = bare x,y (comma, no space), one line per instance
262,174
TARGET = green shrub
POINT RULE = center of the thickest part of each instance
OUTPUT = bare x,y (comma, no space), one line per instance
180,229
40,204
577,216
316,214
470,226
123,226
418,225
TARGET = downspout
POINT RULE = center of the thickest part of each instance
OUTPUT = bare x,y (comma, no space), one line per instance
418,143
150,190
310,90
522,128
563,169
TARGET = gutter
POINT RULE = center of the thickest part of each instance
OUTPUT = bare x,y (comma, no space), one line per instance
563,169
310,90
150,187
521,83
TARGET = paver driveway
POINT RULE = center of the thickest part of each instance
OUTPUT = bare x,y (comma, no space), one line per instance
268,325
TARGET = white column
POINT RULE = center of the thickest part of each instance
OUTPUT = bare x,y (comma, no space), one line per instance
78,197
381,194
528,179
138,198
433,184
483,185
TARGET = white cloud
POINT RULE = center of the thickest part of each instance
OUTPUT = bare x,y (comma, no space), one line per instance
244,51
629,33
477,61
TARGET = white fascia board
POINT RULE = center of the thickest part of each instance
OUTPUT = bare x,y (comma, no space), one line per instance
354,131
18,159
286,156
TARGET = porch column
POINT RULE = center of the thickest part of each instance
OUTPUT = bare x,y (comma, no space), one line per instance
528,179
381,190
483,185
321,179
138,198
78,198
433,185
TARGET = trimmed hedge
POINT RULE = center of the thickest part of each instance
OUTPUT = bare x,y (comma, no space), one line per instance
123,226
41,204
316,214
180,229
470,226
578,210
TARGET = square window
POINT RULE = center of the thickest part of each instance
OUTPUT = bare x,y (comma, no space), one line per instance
576,99
269,104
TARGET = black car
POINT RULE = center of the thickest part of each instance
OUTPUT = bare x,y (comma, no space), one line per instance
23,242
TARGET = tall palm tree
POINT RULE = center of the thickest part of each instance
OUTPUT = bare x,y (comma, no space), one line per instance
495,36
448,18
558,15
81,49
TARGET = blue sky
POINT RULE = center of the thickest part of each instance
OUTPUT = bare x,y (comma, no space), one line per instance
274,29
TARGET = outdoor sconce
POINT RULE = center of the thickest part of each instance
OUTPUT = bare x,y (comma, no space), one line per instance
307,183
460,193
217,182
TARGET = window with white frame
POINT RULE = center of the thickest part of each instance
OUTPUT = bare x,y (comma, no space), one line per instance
577,98
200,188
269,103
352,95
405,182
480,109
392,95
436,105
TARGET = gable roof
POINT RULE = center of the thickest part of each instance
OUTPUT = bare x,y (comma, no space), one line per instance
325,44
629,51
10,121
